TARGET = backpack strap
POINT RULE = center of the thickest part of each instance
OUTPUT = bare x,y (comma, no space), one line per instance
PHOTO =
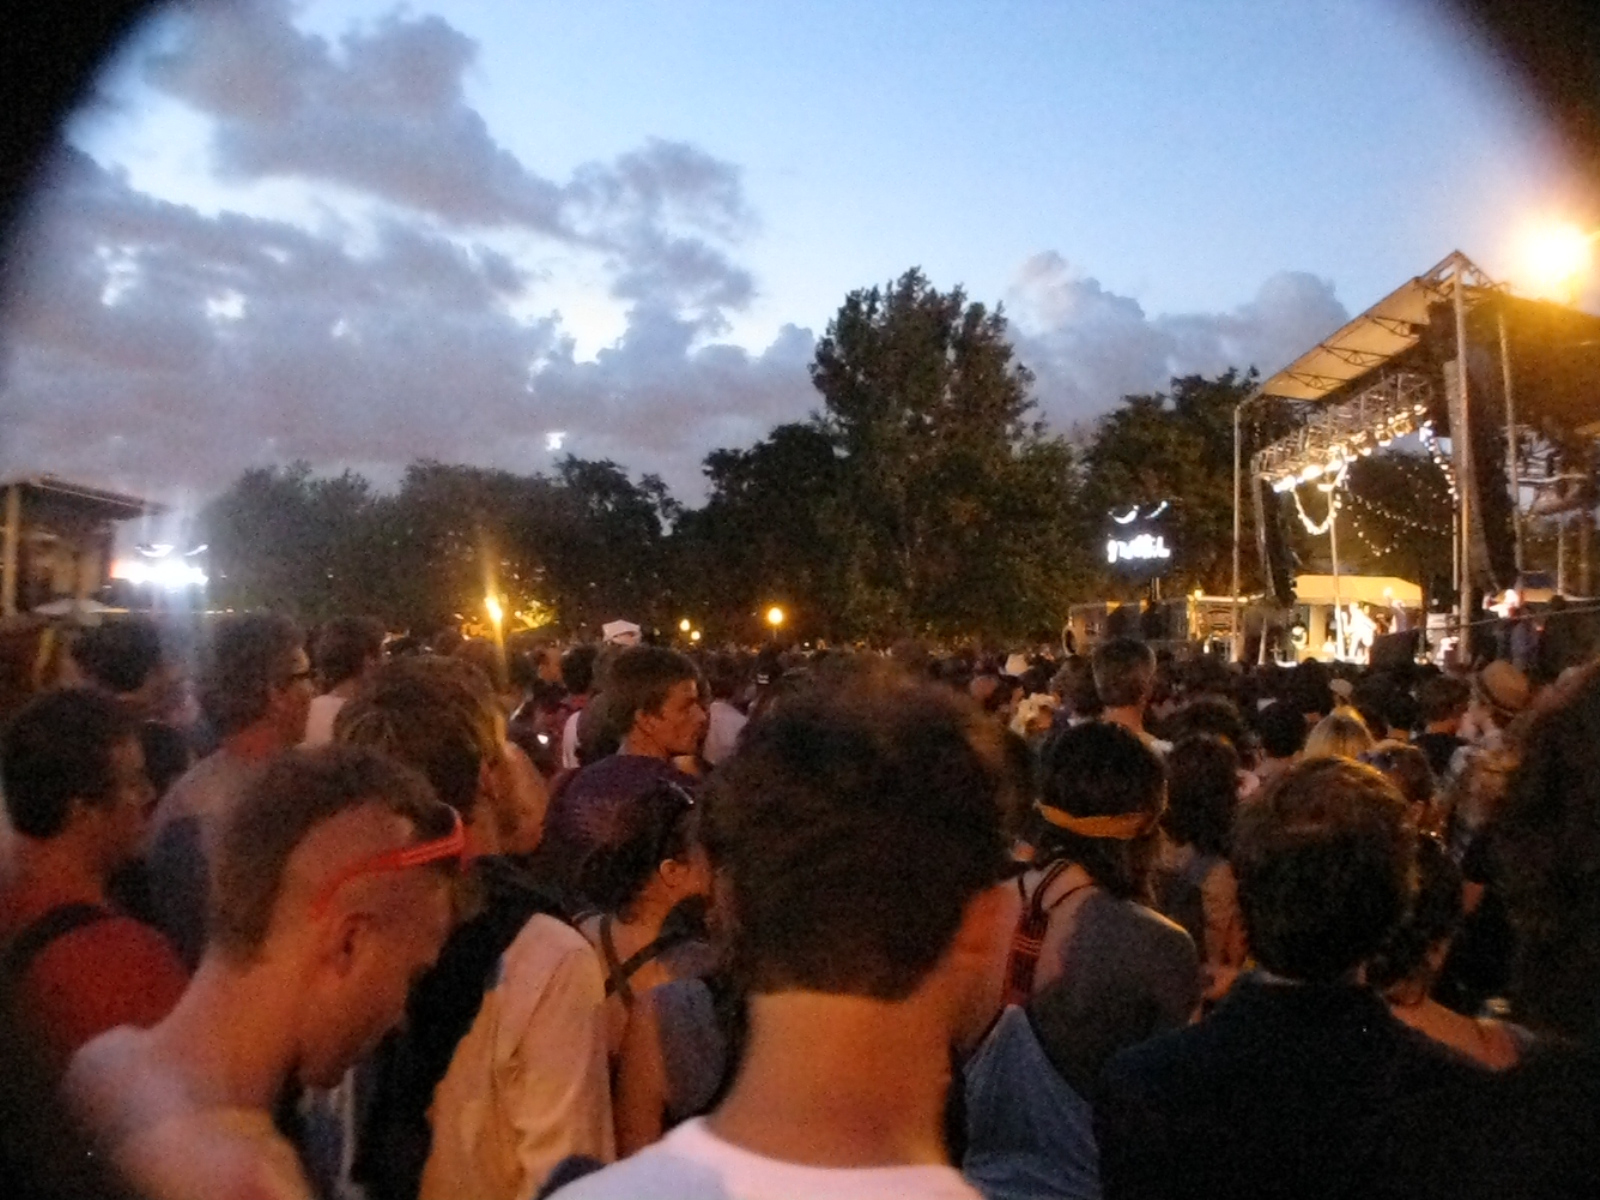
37,936
1028,941
619,974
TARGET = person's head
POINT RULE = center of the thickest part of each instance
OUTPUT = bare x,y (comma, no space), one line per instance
1213,715
1415,951
1443,700
438,716
651,854
723,677
1408,766
1499,693
125,657
577,668
331,886
1282,729
1547,863
255,673
1308,688
72,767
1124,673
1342,734
487,659
1101,795
654,693
1075,682
1324,864
862,832
348,648
1202,793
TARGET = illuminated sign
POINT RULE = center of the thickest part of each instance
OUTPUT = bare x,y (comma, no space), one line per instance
1143,548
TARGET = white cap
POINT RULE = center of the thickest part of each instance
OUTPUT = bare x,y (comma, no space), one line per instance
1017,665
620,633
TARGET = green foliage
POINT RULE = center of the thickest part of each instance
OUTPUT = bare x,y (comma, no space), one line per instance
1176,447
952,510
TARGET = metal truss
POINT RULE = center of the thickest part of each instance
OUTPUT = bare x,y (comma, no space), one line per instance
1335,434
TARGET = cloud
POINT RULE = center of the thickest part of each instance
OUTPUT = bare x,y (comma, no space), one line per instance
1089,346
152,345
383,112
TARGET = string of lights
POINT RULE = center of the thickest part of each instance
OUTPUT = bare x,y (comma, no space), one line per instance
1379,510
1333,489
1430,439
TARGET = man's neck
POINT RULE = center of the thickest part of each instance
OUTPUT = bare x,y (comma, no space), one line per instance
227,1038
839,1081
644,746
1130,717
347,689
254,743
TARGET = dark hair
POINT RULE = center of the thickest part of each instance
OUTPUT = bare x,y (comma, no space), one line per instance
119,655
577,668
1546,850
723,676
1076,681
1282,729
57,749
1097,769
435,714
1308,687
1124,672
344,647
299,790
484,657
799,821
1443,697
246,657
1211,715
1324,863
1408,766
638,680
1202,793
655,827
1434,916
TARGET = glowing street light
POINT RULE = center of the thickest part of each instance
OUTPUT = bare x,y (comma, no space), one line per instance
497,614
775,617
1555,258
694,636
684,625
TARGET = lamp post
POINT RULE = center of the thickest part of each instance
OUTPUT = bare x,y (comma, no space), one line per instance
775,619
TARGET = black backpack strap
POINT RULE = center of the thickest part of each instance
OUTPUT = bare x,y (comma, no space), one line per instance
36,937
618,974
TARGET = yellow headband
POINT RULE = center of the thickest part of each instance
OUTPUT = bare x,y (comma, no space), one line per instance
1122,828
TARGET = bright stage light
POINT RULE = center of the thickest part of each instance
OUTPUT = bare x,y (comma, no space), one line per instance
1554,258
497,614
168,574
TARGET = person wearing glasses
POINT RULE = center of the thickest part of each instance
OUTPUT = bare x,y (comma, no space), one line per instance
255,692
334,892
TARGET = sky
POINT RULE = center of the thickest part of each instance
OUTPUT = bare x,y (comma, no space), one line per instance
499,231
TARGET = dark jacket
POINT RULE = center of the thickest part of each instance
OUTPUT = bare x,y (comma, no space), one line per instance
1274,1094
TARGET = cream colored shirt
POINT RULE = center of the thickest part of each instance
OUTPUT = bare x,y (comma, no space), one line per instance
530,1083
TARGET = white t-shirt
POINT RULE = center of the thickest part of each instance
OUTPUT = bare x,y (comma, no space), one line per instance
722,731
569,743
319,722
692,1163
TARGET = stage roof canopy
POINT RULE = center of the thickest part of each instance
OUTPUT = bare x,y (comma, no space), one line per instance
1386,330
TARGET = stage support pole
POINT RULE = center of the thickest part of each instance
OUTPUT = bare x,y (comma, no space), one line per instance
1235,641
1462,438
1333,552
1512,477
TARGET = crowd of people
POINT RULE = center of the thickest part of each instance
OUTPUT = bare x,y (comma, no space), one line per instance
352,916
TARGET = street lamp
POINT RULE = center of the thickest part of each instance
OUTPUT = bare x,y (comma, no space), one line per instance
775,618
497,614
694,636
684,625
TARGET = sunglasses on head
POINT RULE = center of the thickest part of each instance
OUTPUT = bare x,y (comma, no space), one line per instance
447,846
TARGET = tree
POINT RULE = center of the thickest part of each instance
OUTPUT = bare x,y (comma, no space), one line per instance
1175,447
762,535
948,515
